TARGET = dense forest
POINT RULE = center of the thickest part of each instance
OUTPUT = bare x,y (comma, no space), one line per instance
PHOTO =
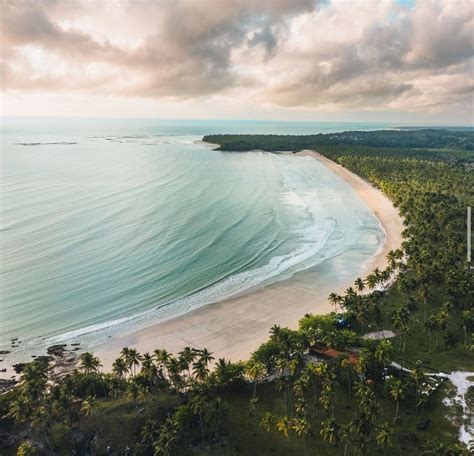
288,398
398,141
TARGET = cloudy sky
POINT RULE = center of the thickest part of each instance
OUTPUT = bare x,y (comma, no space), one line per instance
403,61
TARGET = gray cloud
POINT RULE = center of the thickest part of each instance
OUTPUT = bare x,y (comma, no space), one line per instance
187,49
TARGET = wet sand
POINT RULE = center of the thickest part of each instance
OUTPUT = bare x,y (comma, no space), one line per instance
235,327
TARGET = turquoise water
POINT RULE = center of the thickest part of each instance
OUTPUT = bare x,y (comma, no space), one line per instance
111,225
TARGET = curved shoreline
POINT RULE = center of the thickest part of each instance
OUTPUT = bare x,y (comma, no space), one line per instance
235,327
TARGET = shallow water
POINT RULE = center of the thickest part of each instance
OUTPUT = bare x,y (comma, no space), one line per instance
108,226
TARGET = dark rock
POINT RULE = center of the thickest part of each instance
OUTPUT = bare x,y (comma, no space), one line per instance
5,385
4,352
3,370
44,359
18,368
56,350
75,344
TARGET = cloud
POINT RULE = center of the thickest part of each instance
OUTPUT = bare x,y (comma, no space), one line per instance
316,55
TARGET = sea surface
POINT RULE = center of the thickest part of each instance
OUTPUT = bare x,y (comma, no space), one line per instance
110,225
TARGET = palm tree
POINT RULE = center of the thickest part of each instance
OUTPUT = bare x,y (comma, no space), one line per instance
199,405
119,367
359,284
135,390
283,425
132,358
275,332
20,409
163,358
168,434
41,418
205,356
330,431
371,281
88,407
254,369
150,431
149,370
396,391
267,421
383,437
301,428
188,355
26,449
89,363
335,300
217,414
383,351
450,340
200,370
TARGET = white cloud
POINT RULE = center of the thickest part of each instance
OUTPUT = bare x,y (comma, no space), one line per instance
300,54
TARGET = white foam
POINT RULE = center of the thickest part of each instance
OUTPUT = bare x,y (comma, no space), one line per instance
313,231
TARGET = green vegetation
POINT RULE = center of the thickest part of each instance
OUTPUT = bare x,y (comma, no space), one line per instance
444,140
283,401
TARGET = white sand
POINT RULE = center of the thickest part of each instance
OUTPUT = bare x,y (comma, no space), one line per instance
235,327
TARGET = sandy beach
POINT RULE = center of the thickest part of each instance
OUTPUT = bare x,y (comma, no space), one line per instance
235,327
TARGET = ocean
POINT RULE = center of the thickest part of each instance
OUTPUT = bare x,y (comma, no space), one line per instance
110,225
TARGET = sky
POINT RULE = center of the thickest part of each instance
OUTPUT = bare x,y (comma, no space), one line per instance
323,60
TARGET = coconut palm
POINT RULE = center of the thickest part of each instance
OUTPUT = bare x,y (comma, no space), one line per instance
200,370
267,421
371,281
26,449
254,370
396,391
168,435
205,356
41,419
150,431
89,407
135,390
162,357
301,427
89,364
330,431
283,425
149,371
119,368
199,405
383,437
359,284
383,352
132,358
188,355
335,300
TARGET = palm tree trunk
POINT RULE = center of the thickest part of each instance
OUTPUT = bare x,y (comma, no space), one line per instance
396,411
